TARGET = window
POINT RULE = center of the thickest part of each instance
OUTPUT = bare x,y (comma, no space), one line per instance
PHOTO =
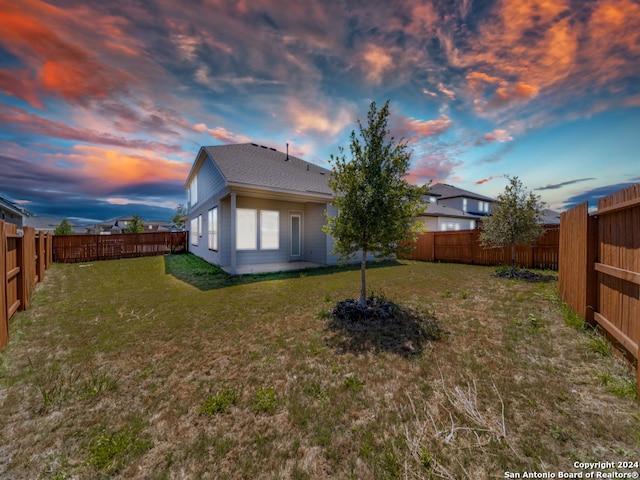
193,191
199,225
464,204
269,230
246,229
213,228
193,231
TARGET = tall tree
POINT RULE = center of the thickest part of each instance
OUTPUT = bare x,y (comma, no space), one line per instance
376,206
64,228
514,220
135,225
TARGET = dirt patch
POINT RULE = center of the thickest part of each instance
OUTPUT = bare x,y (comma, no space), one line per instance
382,325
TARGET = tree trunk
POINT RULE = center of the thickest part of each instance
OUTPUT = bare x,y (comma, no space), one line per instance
363,287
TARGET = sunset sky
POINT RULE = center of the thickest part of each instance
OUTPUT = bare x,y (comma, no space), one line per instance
104,105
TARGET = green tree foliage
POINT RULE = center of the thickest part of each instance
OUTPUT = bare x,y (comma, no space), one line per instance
135,225
179,220
64,228
376,206
514,220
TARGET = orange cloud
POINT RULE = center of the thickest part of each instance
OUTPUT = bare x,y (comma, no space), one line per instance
56,65
559,49
430,127
478,81
614,41
509,93
105,169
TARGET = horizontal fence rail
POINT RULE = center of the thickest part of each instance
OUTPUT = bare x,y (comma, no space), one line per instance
599,274
88,248
24,256
464,247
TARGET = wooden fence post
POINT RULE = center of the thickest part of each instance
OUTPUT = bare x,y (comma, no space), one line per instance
591,296
26,264
40,253
4,316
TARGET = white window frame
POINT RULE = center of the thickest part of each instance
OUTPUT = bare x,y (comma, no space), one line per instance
193,231
212,225
246,229
193,191
269,237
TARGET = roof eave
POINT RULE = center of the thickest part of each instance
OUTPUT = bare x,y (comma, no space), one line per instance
239,187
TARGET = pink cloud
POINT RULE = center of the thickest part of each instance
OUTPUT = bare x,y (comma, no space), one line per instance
377,61
498,135
485,180
23,121
413,129
435,166
226,136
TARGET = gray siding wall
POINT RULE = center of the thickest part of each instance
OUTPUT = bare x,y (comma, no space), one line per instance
315,241
332,259
210,182
453,202
210,189
282,254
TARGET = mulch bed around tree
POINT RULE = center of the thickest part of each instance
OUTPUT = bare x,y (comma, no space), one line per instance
382,325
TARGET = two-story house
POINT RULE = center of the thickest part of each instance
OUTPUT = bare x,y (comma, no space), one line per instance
452,208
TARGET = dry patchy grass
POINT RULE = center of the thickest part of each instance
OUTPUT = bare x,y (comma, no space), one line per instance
166,368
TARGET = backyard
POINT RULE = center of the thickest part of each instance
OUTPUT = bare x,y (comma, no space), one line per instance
165,367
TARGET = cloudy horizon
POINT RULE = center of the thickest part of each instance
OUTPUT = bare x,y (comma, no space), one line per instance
104,105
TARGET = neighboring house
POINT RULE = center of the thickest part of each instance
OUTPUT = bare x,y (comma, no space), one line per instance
49,224
249,204
550,217
118,225
452,208
11,212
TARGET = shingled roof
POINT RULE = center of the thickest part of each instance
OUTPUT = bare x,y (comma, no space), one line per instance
443,190
251,165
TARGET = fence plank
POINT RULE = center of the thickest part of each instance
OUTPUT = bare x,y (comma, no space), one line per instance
87,248
572,268
603,284
4,316
464,247
22,264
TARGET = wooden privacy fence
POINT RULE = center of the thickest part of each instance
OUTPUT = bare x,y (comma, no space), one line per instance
599,274
24,257
88,248
464,247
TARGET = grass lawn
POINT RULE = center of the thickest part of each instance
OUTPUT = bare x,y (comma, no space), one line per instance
164,367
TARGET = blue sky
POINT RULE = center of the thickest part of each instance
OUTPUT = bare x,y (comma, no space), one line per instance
104,105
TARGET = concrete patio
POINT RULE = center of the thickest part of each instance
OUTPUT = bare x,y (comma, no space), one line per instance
272,267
